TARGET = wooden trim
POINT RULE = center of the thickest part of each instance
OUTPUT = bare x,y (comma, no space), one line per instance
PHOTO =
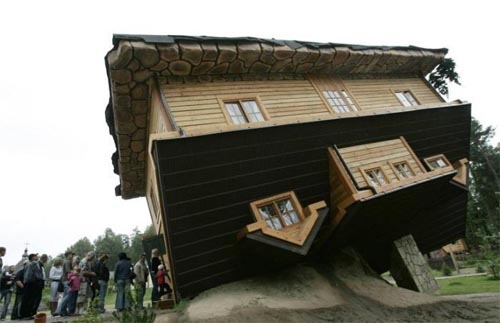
427,160
462,169
291,195
365,169
335,84
350,94
170,121
320,94
296,233
417,160
344,177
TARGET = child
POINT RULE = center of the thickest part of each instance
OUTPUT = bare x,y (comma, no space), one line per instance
161,278
74,282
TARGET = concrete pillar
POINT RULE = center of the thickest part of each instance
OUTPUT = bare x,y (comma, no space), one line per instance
409,268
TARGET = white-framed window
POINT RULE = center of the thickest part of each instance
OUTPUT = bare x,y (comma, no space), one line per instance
340,101
406,98
375,176
244,111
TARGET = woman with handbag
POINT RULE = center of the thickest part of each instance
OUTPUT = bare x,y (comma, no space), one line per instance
56,285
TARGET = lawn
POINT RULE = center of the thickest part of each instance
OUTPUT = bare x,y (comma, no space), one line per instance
468,285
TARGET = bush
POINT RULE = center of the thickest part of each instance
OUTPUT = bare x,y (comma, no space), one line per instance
135,313
446,270
494,269
480,269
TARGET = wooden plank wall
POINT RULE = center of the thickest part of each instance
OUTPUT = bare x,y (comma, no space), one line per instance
158,122
377,94
378,154
196,105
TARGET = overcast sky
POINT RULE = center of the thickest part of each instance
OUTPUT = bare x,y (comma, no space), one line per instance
56,173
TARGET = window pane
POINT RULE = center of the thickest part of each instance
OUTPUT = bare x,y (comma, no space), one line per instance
235,113
288,220
401,97
294,217
380,176
253,112
410,98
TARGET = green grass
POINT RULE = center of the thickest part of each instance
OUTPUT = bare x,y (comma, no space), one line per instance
468,285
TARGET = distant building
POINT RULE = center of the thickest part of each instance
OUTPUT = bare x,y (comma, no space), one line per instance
256,153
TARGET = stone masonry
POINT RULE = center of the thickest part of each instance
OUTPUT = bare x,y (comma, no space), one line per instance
409,268
133,63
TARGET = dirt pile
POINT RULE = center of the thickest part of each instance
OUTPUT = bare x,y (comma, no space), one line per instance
344,290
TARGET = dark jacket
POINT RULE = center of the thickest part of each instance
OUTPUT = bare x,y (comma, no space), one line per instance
123,270
101,271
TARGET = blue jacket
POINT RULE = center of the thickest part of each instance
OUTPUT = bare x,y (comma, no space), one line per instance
123,269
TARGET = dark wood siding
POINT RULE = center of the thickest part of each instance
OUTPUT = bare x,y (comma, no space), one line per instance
207,182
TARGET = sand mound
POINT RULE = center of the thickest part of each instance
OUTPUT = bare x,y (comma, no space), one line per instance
344,289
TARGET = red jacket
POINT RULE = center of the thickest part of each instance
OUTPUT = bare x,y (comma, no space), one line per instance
160,277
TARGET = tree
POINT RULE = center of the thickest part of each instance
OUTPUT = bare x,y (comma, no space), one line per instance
135,250
483,217
81,247
111,244
442,74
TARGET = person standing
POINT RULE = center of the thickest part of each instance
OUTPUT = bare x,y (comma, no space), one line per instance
74,283
123,271
141,274
33,276
67,267
87,288
155,262
2,253
6,288
55,277
102,273
40,284
19,282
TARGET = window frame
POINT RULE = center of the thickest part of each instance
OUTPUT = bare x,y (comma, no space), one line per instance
364,171
223,100
395,91
323,84
255,205
395,169
430,159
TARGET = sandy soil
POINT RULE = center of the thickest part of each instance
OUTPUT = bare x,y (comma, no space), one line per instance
344,290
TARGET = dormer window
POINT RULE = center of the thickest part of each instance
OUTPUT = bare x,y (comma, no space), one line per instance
340,101
435,162
375,177
406,98
244,111
278,211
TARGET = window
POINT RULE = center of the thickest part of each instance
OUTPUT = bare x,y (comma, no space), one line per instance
403,170
279,214
375,177
406,98
436,162
244,111
279,211
340,101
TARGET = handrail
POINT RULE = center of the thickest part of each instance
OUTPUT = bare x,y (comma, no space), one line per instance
167,107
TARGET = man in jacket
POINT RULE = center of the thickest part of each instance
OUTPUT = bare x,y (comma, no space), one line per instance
123,271
33,277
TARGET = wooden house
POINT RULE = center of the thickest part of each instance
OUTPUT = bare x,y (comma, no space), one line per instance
256,153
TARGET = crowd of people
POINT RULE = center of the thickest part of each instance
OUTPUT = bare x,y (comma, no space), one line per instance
75,282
